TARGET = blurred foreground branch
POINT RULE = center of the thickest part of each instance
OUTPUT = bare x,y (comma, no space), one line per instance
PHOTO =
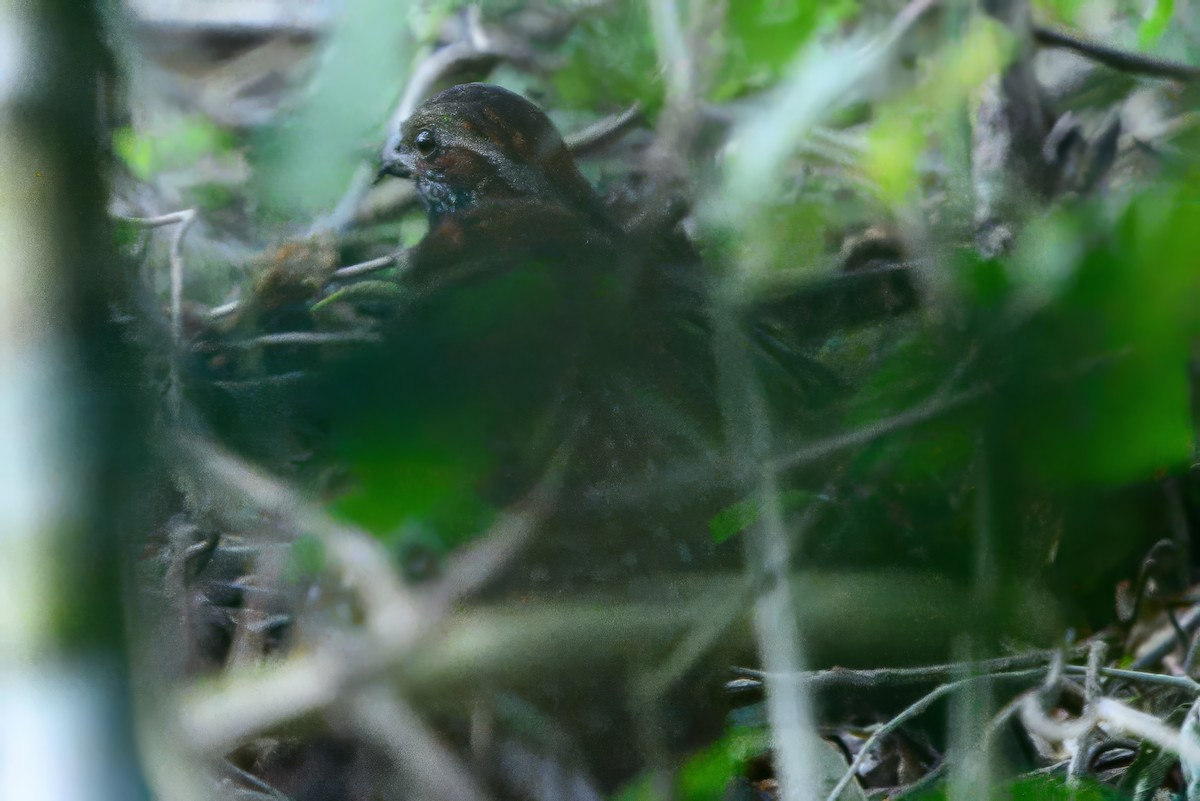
73,451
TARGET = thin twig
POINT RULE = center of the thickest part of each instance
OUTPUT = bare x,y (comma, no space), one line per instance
674,59
1139,677
1092,694
1181,636
341,274
912,711
281,379
1162,643
367,267
1095,660
897,676
1147,727
307,338
939,405
735,472
777,631
253,781
1193,652
224,310
380,715
473,650
1109,56
184,220
603,132
395,617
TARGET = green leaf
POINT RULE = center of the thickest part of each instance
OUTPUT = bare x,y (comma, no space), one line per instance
763,36
125,233
135,151
1064,11
735,519
710,773
610,61
306,163
706,774
1102,393
1156,23
307,557
175,147
427,476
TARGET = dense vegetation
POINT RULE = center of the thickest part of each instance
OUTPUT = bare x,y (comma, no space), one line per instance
888,366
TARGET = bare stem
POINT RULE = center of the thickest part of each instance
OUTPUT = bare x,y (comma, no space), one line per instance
184,220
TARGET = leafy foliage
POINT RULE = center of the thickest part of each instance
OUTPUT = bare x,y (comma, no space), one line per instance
985,407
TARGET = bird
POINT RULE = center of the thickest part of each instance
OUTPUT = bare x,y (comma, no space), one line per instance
534,326
531,318
535,316
537,323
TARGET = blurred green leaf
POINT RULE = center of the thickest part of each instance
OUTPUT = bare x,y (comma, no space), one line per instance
763,36
895,146
899,138
1063,11
711,773
1045,258
740,516
1155,24
213,196
610,62
306,557
1103,394
733,520
135,151
707,774
306,163
790,235
432,483
126,234
175,147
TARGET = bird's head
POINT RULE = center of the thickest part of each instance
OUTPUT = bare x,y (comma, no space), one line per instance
476,143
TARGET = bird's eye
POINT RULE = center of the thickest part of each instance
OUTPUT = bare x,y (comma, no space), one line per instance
425,143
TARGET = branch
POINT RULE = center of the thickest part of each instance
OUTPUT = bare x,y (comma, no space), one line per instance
912,711
217,719
1114,713
392,612
1139,677
366,267
914,675
603,132
184,220
307,338
1115,58
934,407
380,715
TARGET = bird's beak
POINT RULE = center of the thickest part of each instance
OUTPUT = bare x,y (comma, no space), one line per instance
398,161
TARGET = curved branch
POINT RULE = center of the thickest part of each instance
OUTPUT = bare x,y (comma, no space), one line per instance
1115,58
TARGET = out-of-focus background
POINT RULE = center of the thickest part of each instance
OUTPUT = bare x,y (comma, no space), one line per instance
868,471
